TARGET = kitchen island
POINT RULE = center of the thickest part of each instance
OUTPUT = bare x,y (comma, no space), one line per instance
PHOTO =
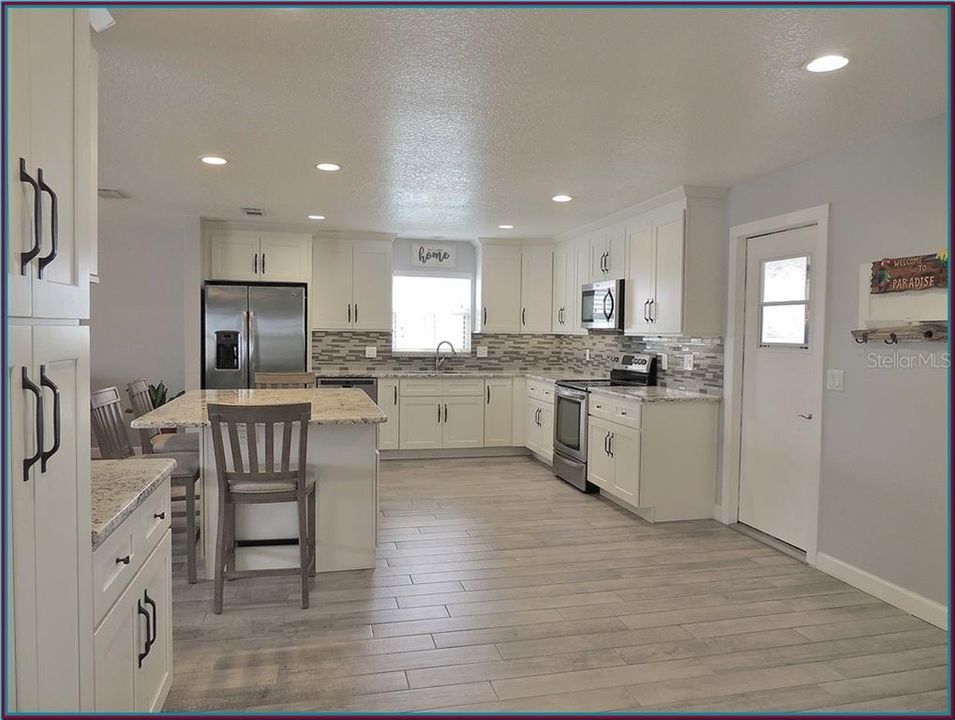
342,459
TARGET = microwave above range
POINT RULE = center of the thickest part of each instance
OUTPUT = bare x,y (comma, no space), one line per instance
602,305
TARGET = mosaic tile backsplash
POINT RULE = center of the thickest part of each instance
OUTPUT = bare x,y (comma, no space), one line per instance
563,355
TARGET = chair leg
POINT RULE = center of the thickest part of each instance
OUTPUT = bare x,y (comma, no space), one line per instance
303,544
230,541
220,555
312,536
191,529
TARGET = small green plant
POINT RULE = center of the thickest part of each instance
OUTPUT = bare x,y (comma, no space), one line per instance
157,394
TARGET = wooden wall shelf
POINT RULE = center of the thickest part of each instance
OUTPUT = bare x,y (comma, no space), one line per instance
914,332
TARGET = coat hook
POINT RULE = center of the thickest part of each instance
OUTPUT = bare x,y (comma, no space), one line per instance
862,339
892,339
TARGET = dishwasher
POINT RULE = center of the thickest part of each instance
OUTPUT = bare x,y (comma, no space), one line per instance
368,384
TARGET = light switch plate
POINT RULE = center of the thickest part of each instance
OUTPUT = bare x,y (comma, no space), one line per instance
482,350
371,351
835,380
587,354
663,361
688,362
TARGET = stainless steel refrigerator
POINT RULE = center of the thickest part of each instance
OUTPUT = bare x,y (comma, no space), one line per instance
249,329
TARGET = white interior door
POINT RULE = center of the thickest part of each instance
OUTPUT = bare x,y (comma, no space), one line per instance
782,384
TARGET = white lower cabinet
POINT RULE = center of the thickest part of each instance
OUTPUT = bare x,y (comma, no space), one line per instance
419,425
388,434
498,412
613,462
132,643
539,419
463,422
441,413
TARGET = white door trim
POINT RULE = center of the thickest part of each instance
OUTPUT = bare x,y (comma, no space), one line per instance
733,353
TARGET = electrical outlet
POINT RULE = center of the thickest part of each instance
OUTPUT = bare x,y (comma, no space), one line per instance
835,380
371,351
587,354
663,361
688,361
482,350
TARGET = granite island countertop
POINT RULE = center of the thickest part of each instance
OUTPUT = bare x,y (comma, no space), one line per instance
654,393
117,487
330,406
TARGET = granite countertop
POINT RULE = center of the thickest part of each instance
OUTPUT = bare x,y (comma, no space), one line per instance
117,487
330,406
655,393
333,373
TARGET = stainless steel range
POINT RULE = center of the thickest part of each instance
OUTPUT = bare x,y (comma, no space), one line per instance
570,415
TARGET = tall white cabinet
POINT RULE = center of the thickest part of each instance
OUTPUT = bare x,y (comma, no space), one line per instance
351,284
50,662
514,289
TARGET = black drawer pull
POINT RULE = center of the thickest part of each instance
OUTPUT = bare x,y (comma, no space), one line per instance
123,560
160,516
147,645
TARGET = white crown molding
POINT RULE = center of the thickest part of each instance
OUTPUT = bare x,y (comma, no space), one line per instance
297,228
513,242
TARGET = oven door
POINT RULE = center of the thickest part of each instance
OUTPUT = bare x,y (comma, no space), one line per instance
570,423
599,306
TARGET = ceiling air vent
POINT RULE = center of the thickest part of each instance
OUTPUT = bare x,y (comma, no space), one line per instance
111,194
253,212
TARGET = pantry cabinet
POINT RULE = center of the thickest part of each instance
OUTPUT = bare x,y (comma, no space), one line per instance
608,253
498,412
49,161
260,257
388,402
351,285
537,277
499,289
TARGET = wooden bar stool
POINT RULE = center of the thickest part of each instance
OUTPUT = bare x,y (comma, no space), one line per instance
151,440
264,380
243,479
109,429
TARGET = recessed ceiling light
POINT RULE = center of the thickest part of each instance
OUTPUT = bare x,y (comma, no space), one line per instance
827,63
316,217
328,167
213,160
562,198
506,227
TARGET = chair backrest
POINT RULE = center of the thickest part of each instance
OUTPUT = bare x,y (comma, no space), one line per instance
142,403
240,423
284,380
109,427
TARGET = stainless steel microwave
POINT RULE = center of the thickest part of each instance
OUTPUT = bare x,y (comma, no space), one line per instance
602,305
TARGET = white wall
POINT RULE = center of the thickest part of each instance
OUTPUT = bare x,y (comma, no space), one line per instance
884,476
137,309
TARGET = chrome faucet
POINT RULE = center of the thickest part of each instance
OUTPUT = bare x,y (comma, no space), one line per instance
438,360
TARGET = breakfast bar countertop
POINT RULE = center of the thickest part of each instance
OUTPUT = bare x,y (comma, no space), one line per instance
117,487
330,406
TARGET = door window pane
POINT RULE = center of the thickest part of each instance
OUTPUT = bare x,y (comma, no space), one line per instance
784,324
786,280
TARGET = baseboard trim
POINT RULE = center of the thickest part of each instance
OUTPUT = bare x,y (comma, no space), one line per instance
441,454
911,602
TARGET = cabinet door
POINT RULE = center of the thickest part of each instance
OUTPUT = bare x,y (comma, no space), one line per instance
616,252
234,256
625,455
62,517
20,193
463,422
537,277
558,306
116,645
547,430
532,431
419,424
501,290
598,257
498,412
388,402
667,307
599,462
59,84
331,285
581,278
154,589
285,258
372,286
640,276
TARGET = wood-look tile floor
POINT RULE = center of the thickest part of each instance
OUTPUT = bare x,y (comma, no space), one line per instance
500,588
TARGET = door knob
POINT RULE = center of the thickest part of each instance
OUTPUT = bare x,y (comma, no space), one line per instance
806,417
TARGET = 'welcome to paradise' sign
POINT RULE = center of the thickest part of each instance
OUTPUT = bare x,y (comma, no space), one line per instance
425,255
916,272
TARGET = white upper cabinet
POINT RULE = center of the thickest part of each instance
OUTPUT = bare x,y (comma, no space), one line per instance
676,269
608,253
256,256
499,289
537,273
351,285
48,170
571,272
563,259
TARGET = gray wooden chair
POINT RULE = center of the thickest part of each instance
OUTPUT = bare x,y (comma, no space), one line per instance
264,380
109,429
152,440
246,478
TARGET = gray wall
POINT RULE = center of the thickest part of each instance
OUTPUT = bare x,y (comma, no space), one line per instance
883,494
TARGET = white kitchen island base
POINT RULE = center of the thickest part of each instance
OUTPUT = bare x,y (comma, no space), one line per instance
343,460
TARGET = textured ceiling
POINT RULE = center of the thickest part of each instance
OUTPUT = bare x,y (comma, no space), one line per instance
449,122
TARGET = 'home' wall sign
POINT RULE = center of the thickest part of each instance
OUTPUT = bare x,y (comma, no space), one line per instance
433,256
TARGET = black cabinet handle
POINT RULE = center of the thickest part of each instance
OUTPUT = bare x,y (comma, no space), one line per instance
54,224
612,435
349,312
160,515
396,394
32,387
445,412
147,645
26,257
523,316
484,317
47,454
652,317
488,394
149,601
263,263
607,444
645,317
123,560
356,311
255,264
439,412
